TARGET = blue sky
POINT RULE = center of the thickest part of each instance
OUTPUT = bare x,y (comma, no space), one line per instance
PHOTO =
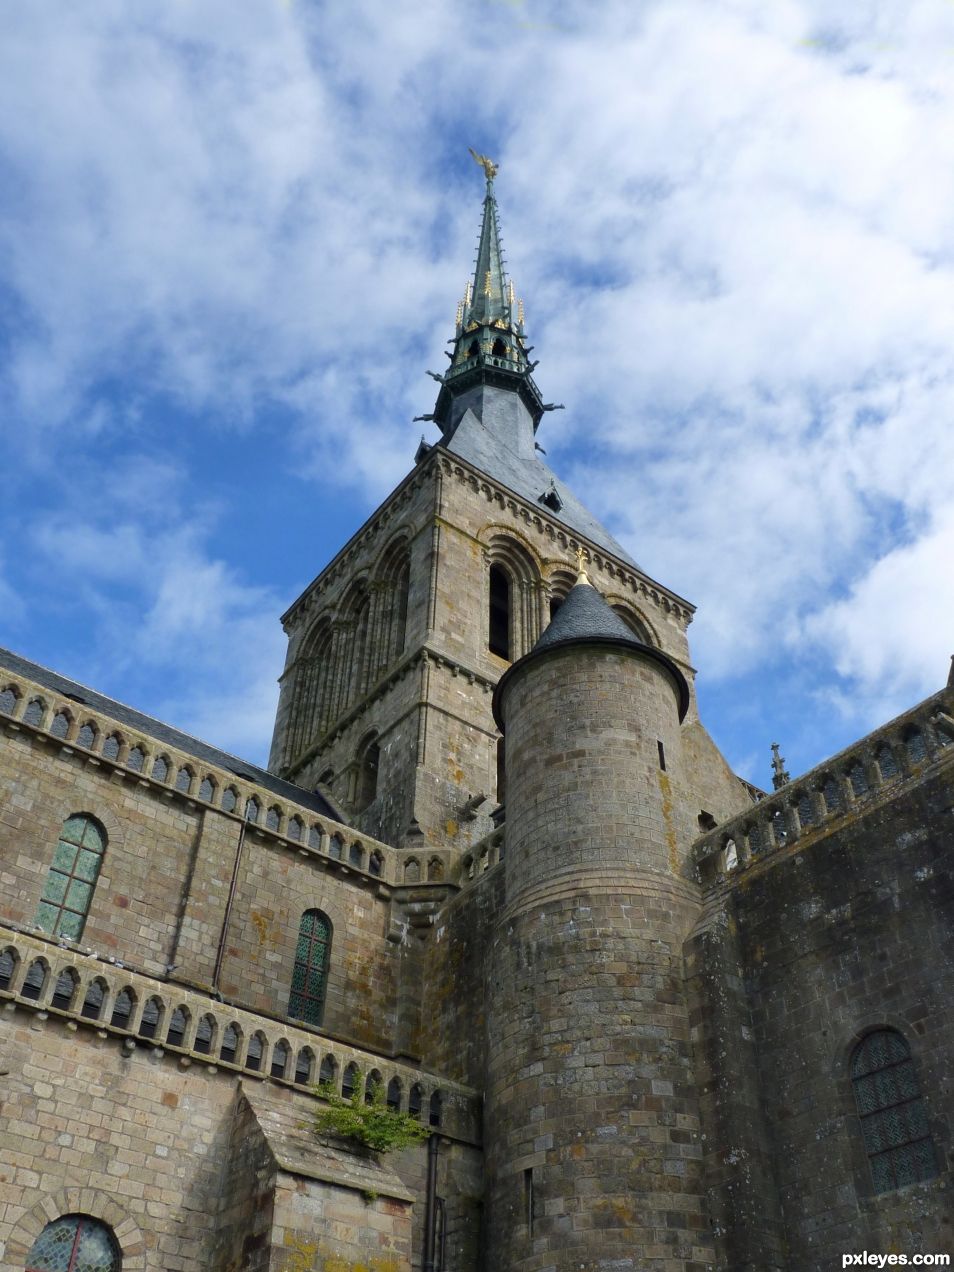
232,238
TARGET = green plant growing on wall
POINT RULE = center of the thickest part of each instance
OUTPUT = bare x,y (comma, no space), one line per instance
370,1122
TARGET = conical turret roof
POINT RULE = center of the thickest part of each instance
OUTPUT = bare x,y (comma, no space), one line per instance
584,615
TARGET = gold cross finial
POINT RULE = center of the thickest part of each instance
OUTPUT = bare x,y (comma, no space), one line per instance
580,558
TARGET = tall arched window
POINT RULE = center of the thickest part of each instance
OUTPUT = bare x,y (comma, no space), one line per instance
893,1117
498,636
72,876
310,975
75,1243
369,755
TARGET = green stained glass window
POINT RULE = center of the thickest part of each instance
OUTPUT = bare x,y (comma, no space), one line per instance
894,1120
75,1243
68,888
310,973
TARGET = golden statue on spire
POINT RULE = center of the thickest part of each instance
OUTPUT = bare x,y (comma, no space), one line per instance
490,168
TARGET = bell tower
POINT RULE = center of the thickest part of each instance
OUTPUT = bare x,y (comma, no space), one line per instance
396,647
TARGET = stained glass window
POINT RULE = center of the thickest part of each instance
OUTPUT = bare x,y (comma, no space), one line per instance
893,1117
310,974
75,1243
72,876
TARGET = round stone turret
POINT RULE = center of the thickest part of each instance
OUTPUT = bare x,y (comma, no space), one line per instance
591,1119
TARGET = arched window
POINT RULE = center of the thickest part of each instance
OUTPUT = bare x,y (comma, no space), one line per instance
135,759
280,1059
9,962
255,1051
858,779
35,711
75,1243
916,746
304,1066
252,809
122,1009
373,1085
376,864
349,1081
207,790
72,876
152,1013
310,975
499,350
834,802
95,997
369,754
86,737
34,982
229,799
294,828
60,724
111,747
336,847
887,764
394,1094
177,1027
329,1070
498,636
231,1038
8,700
184,779
204,1036
412,871
435,1109
160,768
273,818
64,990
639,629
435,870
893,1117
415,1100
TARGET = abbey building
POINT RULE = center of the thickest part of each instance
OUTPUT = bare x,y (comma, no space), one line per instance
654,1018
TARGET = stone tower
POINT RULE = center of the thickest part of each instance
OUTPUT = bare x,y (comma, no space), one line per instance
593,1139
396,647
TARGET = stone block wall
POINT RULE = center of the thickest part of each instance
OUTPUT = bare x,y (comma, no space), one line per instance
839,925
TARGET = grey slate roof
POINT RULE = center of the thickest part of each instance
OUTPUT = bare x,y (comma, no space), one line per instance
140,723
584,614
484,443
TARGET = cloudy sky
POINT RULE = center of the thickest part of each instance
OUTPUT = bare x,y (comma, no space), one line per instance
232,237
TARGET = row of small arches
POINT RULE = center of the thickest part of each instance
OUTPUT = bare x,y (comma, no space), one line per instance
185,779
833,792
225,1043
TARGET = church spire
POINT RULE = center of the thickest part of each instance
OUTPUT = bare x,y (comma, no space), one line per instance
489,342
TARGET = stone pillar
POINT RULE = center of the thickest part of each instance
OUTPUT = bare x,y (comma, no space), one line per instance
592,1120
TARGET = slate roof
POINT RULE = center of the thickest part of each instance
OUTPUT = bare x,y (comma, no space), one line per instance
138,722
484,443
584,615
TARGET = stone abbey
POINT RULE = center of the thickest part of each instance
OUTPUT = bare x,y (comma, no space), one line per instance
656,1020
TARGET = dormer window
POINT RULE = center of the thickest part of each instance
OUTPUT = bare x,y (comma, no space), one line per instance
552,498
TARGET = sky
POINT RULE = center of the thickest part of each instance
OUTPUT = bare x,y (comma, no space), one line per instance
232,239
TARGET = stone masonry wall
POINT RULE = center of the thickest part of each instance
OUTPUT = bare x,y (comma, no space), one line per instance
845,928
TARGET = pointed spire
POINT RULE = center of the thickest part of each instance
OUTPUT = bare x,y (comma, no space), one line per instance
780,776
489,339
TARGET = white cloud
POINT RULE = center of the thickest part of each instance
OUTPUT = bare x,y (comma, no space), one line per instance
730,221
